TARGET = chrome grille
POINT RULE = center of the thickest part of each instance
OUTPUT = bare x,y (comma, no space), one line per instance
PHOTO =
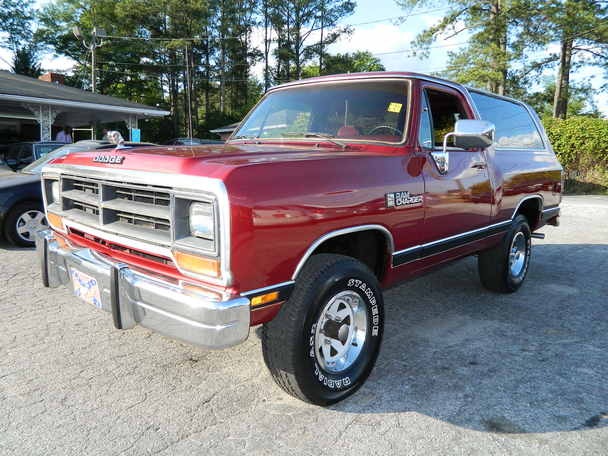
85,208
152,223
137,211
143,196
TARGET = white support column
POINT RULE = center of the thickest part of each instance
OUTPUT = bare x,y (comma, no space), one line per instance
45,116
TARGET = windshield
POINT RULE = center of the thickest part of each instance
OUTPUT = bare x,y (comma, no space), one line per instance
43,149
36,166
370,110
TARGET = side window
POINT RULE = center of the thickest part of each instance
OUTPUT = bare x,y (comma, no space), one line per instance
11,154
425,132
25,153
515,129
43,149
446,109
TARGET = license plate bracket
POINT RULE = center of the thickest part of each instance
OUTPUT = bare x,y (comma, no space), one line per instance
86,288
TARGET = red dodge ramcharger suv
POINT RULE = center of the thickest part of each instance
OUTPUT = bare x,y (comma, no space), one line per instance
330,190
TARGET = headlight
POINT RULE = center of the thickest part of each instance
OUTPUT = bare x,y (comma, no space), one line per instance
55,191
202,221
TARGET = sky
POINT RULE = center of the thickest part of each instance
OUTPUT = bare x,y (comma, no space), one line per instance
377,28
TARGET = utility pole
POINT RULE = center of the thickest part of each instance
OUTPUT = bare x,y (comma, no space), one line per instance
91,46
188,89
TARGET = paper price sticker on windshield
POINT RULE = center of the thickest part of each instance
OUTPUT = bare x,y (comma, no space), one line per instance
394,107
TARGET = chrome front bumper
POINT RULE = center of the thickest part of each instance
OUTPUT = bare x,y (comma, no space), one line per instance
132,297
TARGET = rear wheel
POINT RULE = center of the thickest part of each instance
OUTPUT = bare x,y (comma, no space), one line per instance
22,223
324,342
504,268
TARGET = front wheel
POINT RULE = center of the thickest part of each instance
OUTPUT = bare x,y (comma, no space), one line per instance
504,268
22,223
324,342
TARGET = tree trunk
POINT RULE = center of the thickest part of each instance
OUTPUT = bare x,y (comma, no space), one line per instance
222,57
266,47
562,85
207,77
500,41
297,45
174,95
321,40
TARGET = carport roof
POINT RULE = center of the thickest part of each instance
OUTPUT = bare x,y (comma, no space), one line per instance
15,87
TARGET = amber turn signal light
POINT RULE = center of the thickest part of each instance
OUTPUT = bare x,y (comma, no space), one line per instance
55,221
264,299
196,264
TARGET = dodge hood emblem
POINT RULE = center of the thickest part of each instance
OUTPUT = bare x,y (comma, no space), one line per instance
113,159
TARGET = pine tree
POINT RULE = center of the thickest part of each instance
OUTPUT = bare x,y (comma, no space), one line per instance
499,32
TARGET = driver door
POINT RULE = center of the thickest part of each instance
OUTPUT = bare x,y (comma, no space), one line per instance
457,199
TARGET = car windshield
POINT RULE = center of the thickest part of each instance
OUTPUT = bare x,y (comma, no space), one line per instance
369,110
44,149
36,166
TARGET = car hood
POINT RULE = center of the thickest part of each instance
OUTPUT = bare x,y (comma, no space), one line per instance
213,160
14,179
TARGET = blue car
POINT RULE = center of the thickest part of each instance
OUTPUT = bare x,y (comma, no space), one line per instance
19,155
21,207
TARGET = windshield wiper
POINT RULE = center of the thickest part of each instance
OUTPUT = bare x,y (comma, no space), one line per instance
245,137
311,134
330,138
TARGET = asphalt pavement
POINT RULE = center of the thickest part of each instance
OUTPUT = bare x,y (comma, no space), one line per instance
461,370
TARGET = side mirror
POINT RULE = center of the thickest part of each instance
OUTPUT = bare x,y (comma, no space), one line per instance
468,133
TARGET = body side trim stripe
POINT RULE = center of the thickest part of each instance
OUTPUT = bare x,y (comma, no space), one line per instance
418,252
432,248
270,288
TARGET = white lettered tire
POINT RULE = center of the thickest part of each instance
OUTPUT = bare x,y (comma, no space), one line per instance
324,342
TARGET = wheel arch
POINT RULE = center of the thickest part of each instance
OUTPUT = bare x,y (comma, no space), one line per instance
343,240
530,207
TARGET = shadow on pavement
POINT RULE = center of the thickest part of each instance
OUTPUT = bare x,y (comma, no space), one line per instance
533,361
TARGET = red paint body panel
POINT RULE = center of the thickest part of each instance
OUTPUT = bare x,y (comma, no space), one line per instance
285,195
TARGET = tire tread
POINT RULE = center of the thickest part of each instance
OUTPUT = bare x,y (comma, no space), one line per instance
279,346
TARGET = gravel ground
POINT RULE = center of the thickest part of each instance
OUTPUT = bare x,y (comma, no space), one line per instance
461,370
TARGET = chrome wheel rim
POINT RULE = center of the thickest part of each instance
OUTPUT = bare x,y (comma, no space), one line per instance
29,223
518,254
341,331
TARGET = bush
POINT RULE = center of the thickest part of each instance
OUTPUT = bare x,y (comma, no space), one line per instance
581,144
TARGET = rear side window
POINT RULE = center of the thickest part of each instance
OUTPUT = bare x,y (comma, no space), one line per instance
515,128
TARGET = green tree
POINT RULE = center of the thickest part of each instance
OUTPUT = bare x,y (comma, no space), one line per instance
581,29
25,61
16,17
15,23
192,57
580,100
499,33
356,62
296,23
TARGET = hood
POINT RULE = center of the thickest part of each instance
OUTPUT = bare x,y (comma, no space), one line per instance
205,160
14,179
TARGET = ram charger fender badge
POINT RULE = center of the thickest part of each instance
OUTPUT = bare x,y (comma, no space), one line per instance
400,199
111,159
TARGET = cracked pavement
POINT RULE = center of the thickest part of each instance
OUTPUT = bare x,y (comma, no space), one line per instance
461,370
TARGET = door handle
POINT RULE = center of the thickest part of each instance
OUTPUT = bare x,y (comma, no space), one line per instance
479,165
